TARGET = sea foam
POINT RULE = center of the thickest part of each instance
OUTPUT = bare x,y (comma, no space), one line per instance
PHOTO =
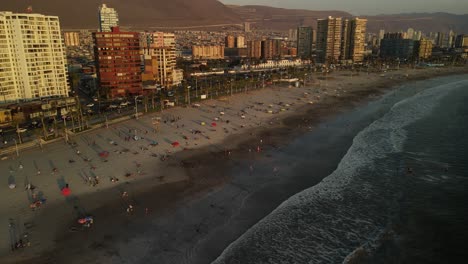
324,223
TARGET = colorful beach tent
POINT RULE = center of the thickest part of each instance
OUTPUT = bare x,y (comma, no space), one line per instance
104,154
175,144
213,124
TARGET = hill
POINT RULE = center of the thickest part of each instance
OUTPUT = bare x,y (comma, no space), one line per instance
426,22
132,13
265,17
143,14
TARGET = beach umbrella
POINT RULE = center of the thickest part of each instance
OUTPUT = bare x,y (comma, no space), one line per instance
213,124
175,144
66,191
104,154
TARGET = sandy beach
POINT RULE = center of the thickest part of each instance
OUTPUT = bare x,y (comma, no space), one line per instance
132,187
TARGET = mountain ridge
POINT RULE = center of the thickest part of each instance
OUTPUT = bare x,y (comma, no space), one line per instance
199,13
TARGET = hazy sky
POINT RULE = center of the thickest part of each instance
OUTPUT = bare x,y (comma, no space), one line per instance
366,7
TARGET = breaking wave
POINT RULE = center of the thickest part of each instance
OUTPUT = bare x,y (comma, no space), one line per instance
348,212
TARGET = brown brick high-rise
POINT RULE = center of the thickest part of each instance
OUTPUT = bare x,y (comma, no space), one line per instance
118,63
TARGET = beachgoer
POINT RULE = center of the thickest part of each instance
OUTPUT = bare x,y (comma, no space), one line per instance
29,186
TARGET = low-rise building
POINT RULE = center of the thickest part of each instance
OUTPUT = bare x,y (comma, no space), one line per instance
5,117
276,64
208,52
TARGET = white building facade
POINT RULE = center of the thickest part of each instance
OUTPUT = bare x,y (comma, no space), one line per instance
32,57
108,18
161,47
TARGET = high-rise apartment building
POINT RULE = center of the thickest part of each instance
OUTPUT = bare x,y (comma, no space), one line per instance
410,33
381,35
292,35
160,48
254,49
230,41
247,27
314,40
461,41
108,18
424,48
329,39
118,60
72,39
353,39
277,48
240,42
32,57
451,39
439,40
304,42
417,35
267,49
393,45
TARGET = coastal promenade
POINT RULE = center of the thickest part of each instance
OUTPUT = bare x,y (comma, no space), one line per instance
112,165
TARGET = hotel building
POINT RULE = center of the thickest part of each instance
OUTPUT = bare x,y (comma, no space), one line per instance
32,57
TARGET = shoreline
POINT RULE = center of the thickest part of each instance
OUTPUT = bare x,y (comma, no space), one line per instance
189,186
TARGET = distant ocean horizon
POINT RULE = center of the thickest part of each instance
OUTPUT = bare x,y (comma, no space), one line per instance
399,195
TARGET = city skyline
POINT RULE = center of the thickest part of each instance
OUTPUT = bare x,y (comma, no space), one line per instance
365,7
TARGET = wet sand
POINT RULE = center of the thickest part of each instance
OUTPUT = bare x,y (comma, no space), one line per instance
202,187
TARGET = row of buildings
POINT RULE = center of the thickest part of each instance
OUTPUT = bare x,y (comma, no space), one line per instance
132,63
335,40
397,45
33,63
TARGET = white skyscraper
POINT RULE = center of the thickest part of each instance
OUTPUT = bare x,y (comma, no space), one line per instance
32,57
410,33
108,18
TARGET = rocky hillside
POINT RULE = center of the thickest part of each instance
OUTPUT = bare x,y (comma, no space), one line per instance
139,13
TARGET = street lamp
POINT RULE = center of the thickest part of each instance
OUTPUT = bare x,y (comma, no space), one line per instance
16,147
188,89
136,107
232,80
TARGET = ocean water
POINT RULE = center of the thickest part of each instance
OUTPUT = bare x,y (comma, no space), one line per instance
373,208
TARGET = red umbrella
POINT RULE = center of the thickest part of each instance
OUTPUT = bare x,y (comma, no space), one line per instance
213,124
104,154
175,144
66,191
